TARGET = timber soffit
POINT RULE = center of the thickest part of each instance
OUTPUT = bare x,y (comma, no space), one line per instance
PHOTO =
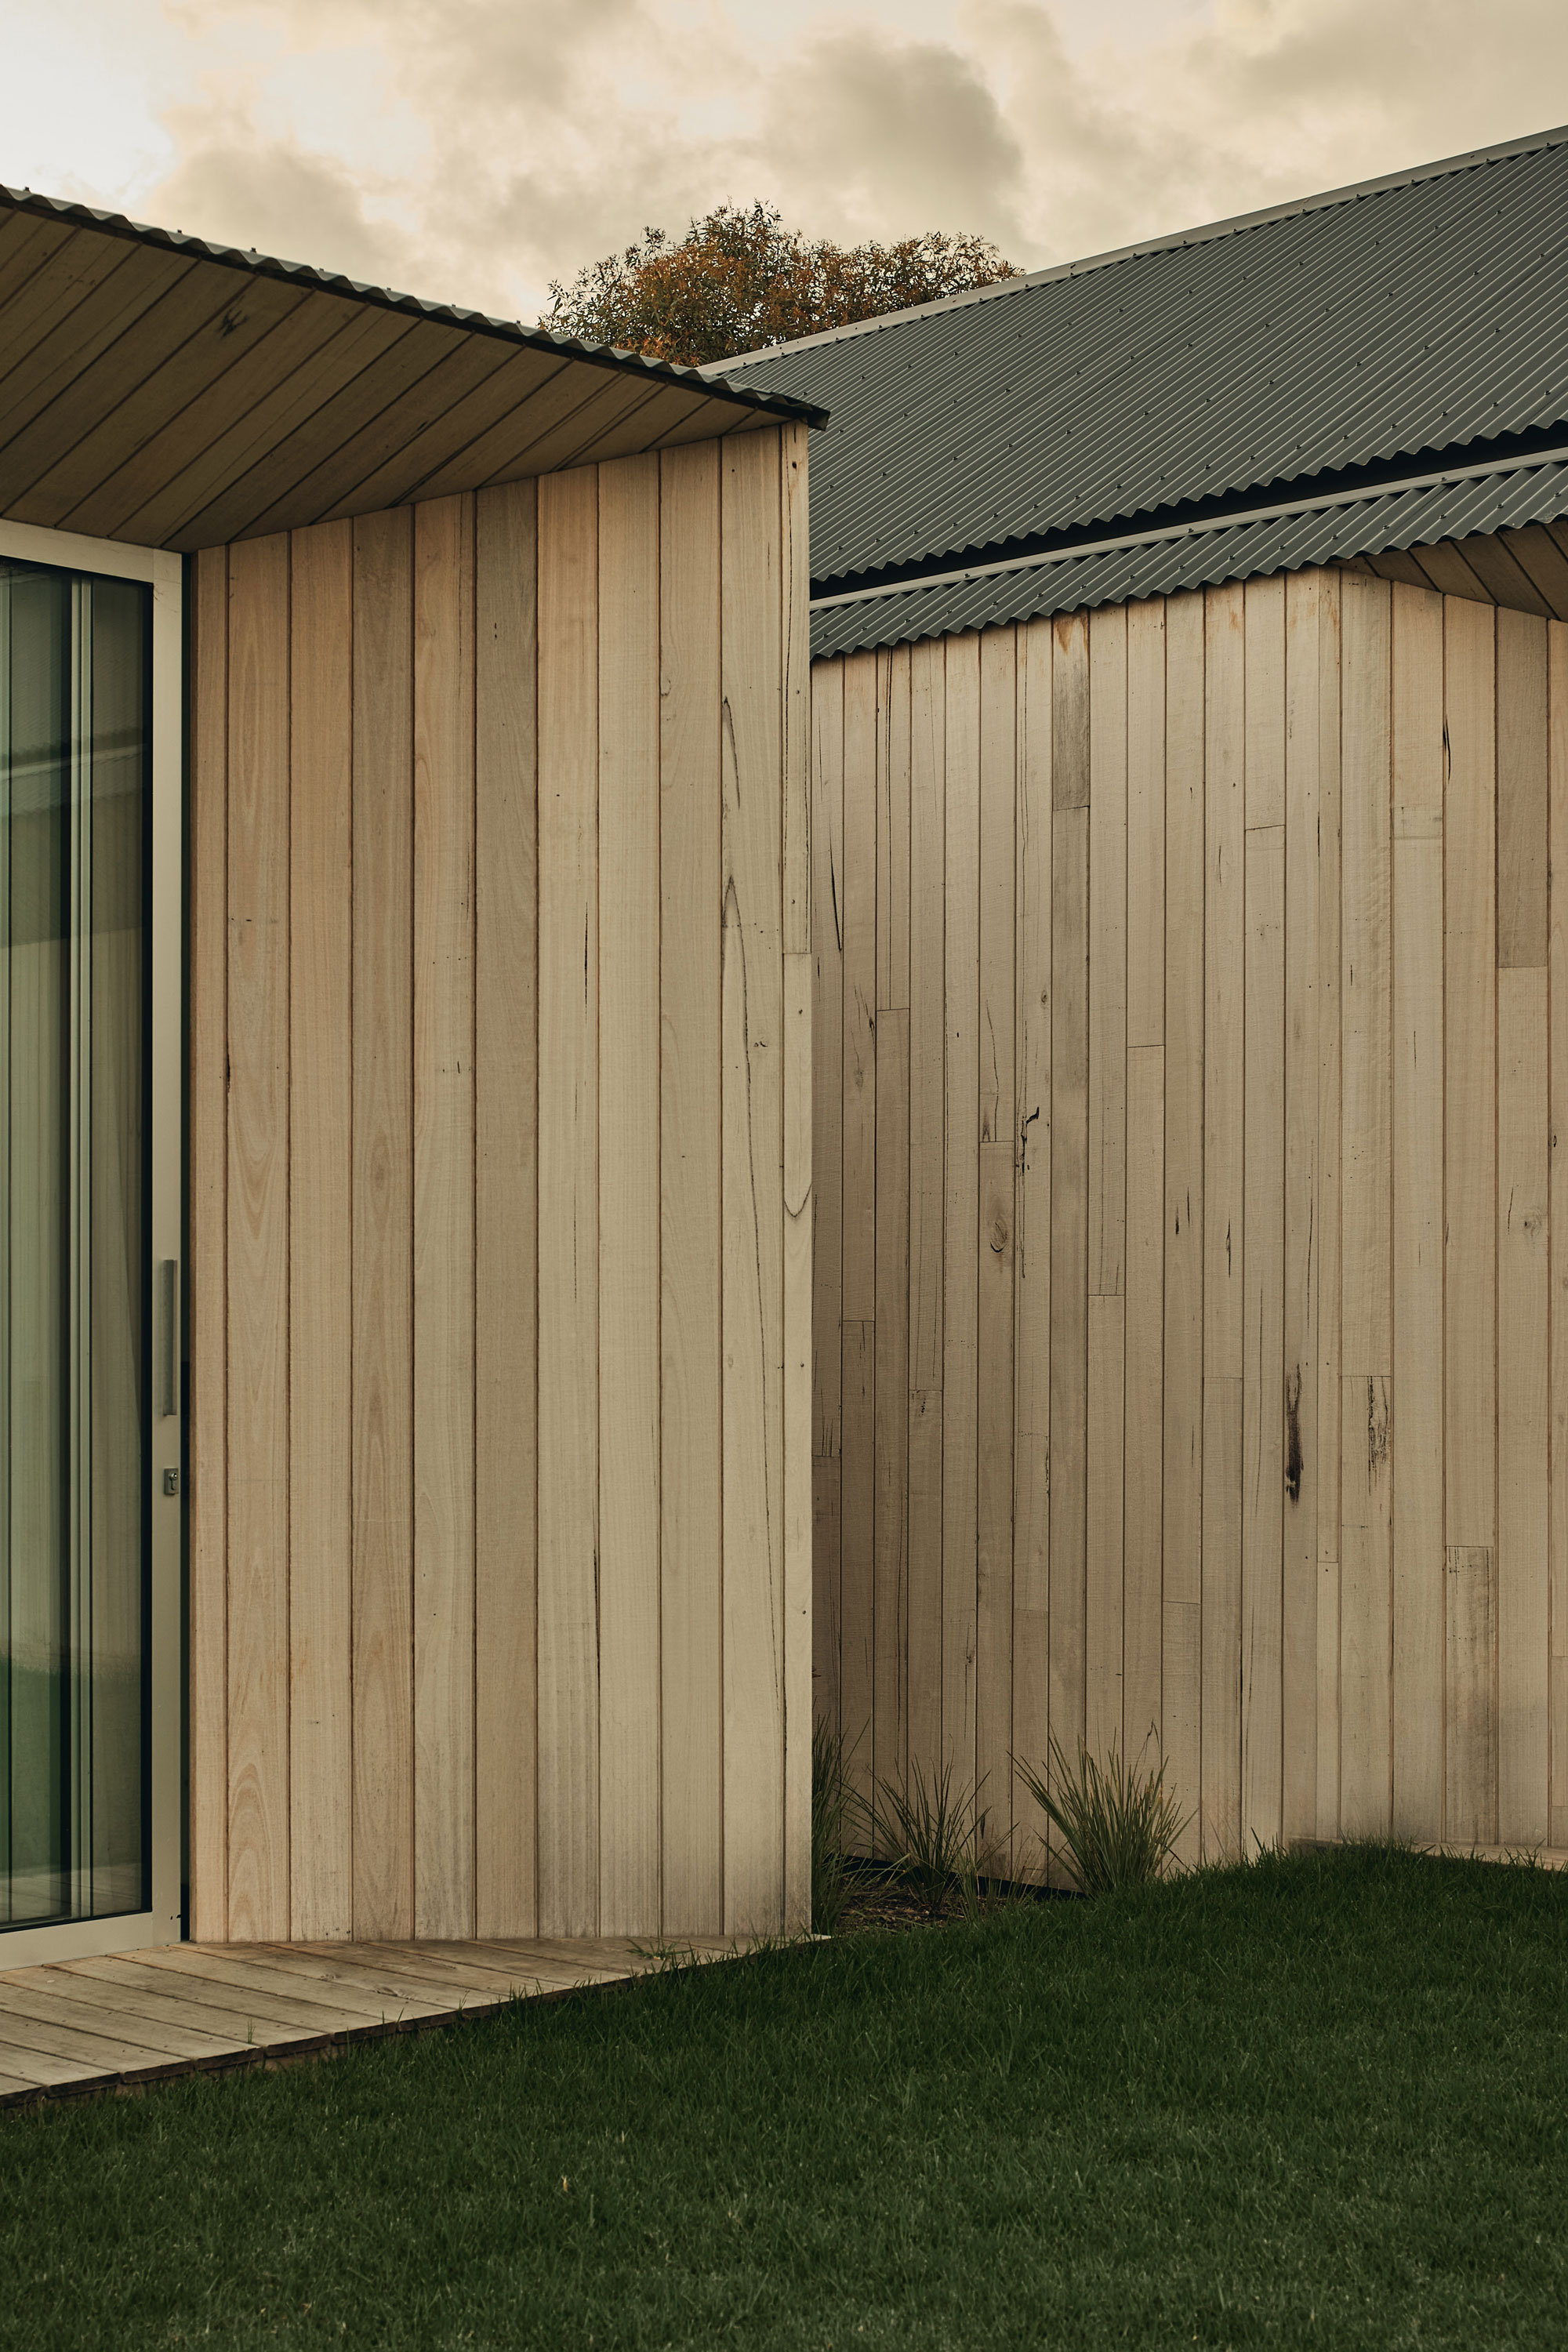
165,390
1332,347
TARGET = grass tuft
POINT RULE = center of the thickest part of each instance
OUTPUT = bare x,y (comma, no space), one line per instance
1118,1823
834,1808
934,1835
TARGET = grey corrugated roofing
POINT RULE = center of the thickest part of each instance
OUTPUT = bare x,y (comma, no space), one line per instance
161,390
1426,315
1401,519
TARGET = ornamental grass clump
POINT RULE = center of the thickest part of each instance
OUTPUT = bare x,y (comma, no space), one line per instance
833,1807
1117,1823
934,1837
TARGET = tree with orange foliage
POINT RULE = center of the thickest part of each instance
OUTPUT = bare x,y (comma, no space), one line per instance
739,280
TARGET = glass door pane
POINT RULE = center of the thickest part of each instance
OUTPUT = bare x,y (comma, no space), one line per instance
74,772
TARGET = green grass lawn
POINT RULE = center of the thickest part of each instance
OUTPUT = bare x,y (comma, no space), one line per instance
1321,2101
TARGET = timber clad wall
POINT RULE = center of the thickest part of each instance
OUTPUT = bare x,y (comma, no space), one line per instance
500,1515
1191,1048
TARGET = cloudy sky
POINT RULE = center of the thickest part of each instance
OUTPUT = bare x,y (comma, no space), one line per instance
472,149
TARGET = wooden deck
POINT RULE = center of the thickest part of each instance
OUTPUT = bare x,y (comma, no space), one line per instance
76,2027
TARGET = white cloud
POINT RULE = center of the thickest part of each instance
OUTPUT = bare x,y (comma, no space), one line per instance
471,149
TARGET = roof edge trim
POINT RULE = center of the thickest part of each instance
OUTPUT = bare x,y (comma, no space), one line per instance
1109,545
1203,234
701,382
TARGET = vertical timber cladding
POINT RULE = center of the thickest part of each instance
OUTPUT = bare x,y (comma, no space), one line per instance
1192,1054
500,1200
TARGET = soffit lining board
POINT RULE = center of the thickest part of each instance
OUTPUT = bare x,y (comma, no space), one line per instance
160,390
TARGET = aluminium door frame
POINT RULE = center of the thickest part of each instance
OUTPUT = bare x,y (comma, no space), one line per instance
161,1922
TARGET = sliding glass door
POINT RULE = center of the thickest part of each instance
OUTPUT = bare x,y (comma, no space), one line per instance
76,710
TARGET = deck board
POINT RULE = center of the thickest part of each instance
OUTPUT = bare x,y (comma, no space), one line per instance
70,2028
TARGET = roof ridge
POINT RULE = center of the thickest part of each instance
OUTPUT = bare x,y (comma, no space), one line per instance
1205,234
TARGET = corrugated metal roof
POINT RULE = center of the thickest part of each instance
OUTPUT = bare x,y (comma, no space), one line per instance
1423,316
1397,521
161,390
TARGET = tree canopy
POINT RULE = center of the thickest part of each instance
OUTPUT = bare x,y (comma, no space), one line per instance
739,279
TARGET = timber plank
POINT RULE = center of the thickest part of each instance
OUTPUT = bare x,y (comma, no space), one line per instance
506,1207
927,1324
423,457
1263,1386
1144,1448
1225,931
179,514
1417,1162
208,1080
593,423
45,288
1180,1693
890,1393
1263,1222
321,1178
1543,563
629,1195
1146,689
604,1957
1367,1269
961,1216
96,2047
794,660
1069,1222
163,2007
568,1205
1104,1593
690,1462
174,462
1330,1131
798,1494
1069,1503
1031,1240
374,468
1107,960
1144,1474
503,452
155,305
228,1999
1104,1525
1220,1819
242,1975
859,1294
230,332
751,1031
1304,1012
419,1971
1521,755
996,1253
38,2070
1557,1128
444,1217
1470,1711
383,1225
891,1224
1523,1575
827,1173
328,419
257,1273
155,2039
1469,1361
